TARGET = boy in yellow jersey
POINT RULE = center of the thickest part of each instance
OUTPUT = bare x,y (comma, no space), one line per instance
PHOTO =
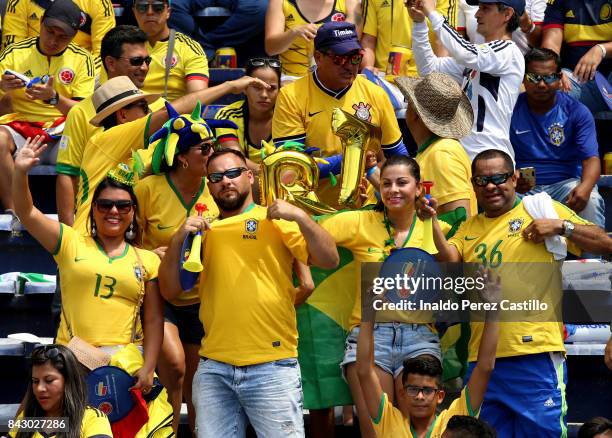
387,35
421,391
97,17
188,65
124,54
249,353
438,115
526,395
40,107
304,108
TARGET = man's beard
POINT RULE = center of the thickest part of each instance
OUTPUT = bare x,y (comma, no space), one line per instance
232,204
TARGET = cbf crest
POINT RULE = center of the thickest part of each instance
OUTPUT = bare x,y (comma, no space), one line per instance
250,226
138,272
515,225
556,134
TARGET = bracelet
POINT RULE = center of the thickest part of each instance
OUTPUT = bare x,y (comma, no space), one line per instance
603,49
370,171
531,29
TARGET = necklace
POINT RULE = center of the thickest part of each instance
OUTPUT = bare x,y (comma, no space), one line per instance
389,244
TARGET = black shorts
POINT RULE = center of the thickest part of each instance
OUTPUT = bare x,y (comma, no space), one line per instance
187,320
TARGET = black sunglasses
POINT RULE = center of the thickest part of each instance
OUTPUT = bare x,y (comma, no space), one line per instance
45,353
105,205
216,177
353,58
137,61
497,179
260,62
144,7
205,147
413,390
548,79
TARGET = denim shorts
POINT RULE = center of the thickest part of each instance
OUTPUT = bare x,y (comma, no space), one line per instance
394,342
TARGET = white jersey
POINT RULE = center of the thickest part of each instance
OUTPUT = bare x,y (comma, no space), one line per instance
490,74
466,21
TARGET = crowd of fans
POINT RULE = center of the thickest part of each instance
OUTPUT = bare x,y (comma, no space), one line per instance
502,102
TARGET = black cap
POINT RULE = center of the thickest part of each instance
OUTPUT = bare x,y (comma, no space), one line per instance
64,14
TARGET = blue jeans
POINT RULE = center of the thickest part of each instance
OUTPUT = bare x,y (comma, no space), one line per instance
268,395
246,20
589,94
559,191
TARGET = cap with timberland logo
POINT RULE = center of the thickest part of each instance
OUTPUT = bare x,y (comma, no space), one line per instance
340,37
517,5
64,14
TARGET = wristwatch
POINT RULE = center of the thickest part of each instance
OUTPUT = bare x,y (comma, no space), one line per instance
54,100
568,228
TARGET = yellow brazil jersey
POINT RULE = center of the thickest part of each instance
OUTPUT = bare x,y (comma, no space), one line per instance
188,64
303,113
246,288
162,211
495,241
22,20
238,112
365,233
445,162
391,423
296,60
72,70
102,153
94,425
78,131
388,21
100,294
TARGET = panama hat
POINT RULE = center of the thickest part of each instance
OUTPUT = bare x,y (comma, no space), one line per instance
440,103
114,94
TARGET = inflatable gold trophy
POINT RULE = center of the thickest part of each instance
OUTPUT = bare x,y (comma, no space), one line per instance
356,136
292,175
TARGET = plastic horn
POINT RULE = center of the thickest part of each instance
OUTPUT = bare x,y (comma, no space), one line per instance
428,244
356,136
194,262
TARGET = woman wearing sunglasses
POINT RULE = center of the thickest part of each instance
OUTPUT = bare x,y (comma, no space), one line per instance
253,115
165,200
104,278
57,389
292,25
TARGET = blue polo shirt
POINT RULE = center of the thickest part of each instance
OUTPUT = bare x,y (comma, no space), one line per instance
554,143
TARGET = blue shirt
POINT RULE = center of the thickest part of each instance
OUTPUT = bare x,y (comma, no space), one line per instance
554,143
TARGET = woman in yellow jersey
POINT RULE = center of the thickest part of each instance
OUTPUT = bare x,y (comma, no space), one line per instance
291,26
253,115
370,235
104,278
57,389
165,200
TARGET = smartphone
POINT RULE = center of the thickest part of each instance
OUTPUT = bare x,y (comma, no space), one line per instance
24,78
528,174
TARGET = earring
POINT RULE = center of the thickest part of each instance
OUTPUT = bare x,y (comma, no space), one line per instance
185,164
94,231
130,234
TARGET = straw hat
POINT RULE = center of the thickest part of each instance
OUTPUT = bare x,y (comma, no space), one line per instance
440,103
114,94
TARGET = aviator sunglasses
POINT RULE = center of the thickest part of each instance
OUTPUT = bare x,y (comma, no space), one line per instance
497,179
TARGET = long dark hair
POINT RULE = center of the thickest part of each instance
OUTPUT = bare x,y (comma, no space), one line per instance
109,183
399,160
75,389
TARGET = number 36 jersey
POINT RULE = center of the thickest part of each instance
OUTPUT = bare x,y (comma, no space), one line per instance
100,293
496,241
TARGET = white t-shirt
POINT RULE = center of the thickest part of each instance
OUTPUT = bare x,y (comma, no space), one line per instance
490,74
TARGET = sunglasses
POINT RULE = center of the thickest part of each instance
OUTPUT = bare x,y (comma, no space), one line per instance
548,79
45,353
142,104
497,179
205,147
260,62
106,205
216,177
413,391
158,8
137,61
354,58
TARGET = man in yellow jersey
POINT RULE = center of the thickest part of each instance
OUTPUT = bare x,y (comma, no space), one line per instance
421,390
40,104
22,20
249,370
304,108
387,35
526,394
188,65
124,54
438,115
122,110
